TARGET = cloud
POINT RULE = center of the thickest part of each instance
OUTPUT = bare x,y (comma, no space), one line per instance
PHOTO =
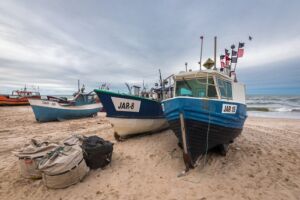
258,55
54,43
274,78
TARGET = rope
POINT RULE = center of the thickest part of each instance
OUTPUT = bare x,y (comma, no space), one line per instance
208,127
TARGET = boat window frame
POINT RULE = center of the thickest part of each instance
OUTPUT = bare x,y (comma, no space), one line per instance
207,84
218,88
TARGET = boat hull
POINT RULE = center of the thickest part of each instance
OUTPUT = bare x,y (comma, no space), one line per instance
206,123
124,127
46,111
6,100
132,115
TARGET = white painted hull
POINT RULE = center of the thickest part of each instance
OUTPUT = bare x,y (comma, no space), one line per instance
45,110
126,126
56,105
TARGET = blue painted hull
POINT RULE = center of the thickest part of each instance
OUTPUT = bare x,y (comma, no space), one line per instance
200,110
131,115
148,109
46,114
206,124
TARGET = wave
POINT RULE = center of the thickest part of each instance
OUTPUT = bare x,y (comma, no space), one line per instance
262,109
275,104
268,109
262,103
296,110
296,99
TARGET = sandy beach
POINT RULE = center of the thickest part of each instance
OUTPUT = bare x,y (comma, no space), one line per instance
262,163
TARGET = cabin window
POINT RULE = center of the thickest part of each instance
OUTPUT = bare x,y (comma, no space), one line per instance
185,92
201,87
225,89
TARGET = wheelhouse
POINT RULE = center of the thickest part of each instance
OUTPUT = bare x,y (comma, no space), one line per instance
204,84
24,93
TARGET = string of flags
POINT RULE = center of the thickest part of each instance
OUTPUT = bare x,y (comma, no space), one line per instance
226,60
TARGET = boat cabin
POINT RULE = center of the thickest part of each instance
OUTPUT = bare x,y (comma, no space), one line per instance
208,84
84,99
24,93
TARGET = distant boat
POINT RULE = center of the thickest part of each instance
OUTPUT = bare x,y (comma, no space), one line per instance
18,97
131,114
208,110
58,109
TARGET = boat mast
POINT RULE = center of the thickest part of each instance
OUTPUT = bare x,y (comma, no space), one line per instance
215,53
161,85
201,38
78,82
186,66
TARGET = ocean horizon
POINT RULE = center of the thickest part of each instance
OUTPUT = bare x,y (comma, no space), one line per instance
274,106
270,106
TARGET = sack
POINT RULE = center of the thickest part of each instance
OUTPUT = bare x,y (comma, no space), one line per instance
63,167
97,152
29,168
30,156
74,140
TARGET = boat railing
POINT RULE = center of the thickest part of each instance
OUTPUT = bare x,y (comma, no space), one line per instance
60,100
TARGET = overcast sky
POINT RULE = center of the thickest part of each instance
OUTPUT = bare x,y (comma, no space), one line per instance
52,44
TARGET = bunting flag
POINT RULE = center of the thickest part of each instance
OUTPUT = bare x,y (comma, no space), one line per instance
227,52
240,53
222,61
222,64
227,60
234,59
227,63
233,53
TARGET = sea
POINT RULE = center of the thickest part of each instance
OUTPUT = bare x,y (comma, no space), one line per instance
273,106
265,106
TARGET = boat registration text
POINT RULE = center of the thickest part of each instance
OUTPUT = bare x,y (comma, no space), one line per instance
229,108
49,103
127,105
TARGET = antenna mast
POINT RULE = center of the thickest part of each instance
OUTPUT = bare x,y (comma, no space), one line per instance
78,82
161,85
201,48
186,66
215,53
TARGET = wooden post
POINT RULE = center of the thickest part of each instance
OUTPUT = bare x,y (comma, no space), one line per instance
186,157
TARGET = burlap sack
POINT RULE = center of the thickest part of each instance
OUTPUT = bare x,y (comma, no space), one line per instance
63,167
75,139
30,156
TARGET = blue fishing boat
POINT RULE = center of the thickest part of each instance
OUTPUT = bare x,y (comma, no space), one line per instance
208,110
58,109
132,114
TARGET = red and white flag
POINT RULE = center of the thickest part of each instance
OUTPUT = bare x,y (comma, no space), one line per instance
240,53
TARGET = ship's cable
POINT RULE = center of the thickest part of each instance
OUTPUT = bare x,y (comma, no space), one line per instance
207,133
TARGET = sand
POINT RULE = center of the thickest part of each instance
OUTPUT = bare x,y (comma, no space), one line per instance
262,163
